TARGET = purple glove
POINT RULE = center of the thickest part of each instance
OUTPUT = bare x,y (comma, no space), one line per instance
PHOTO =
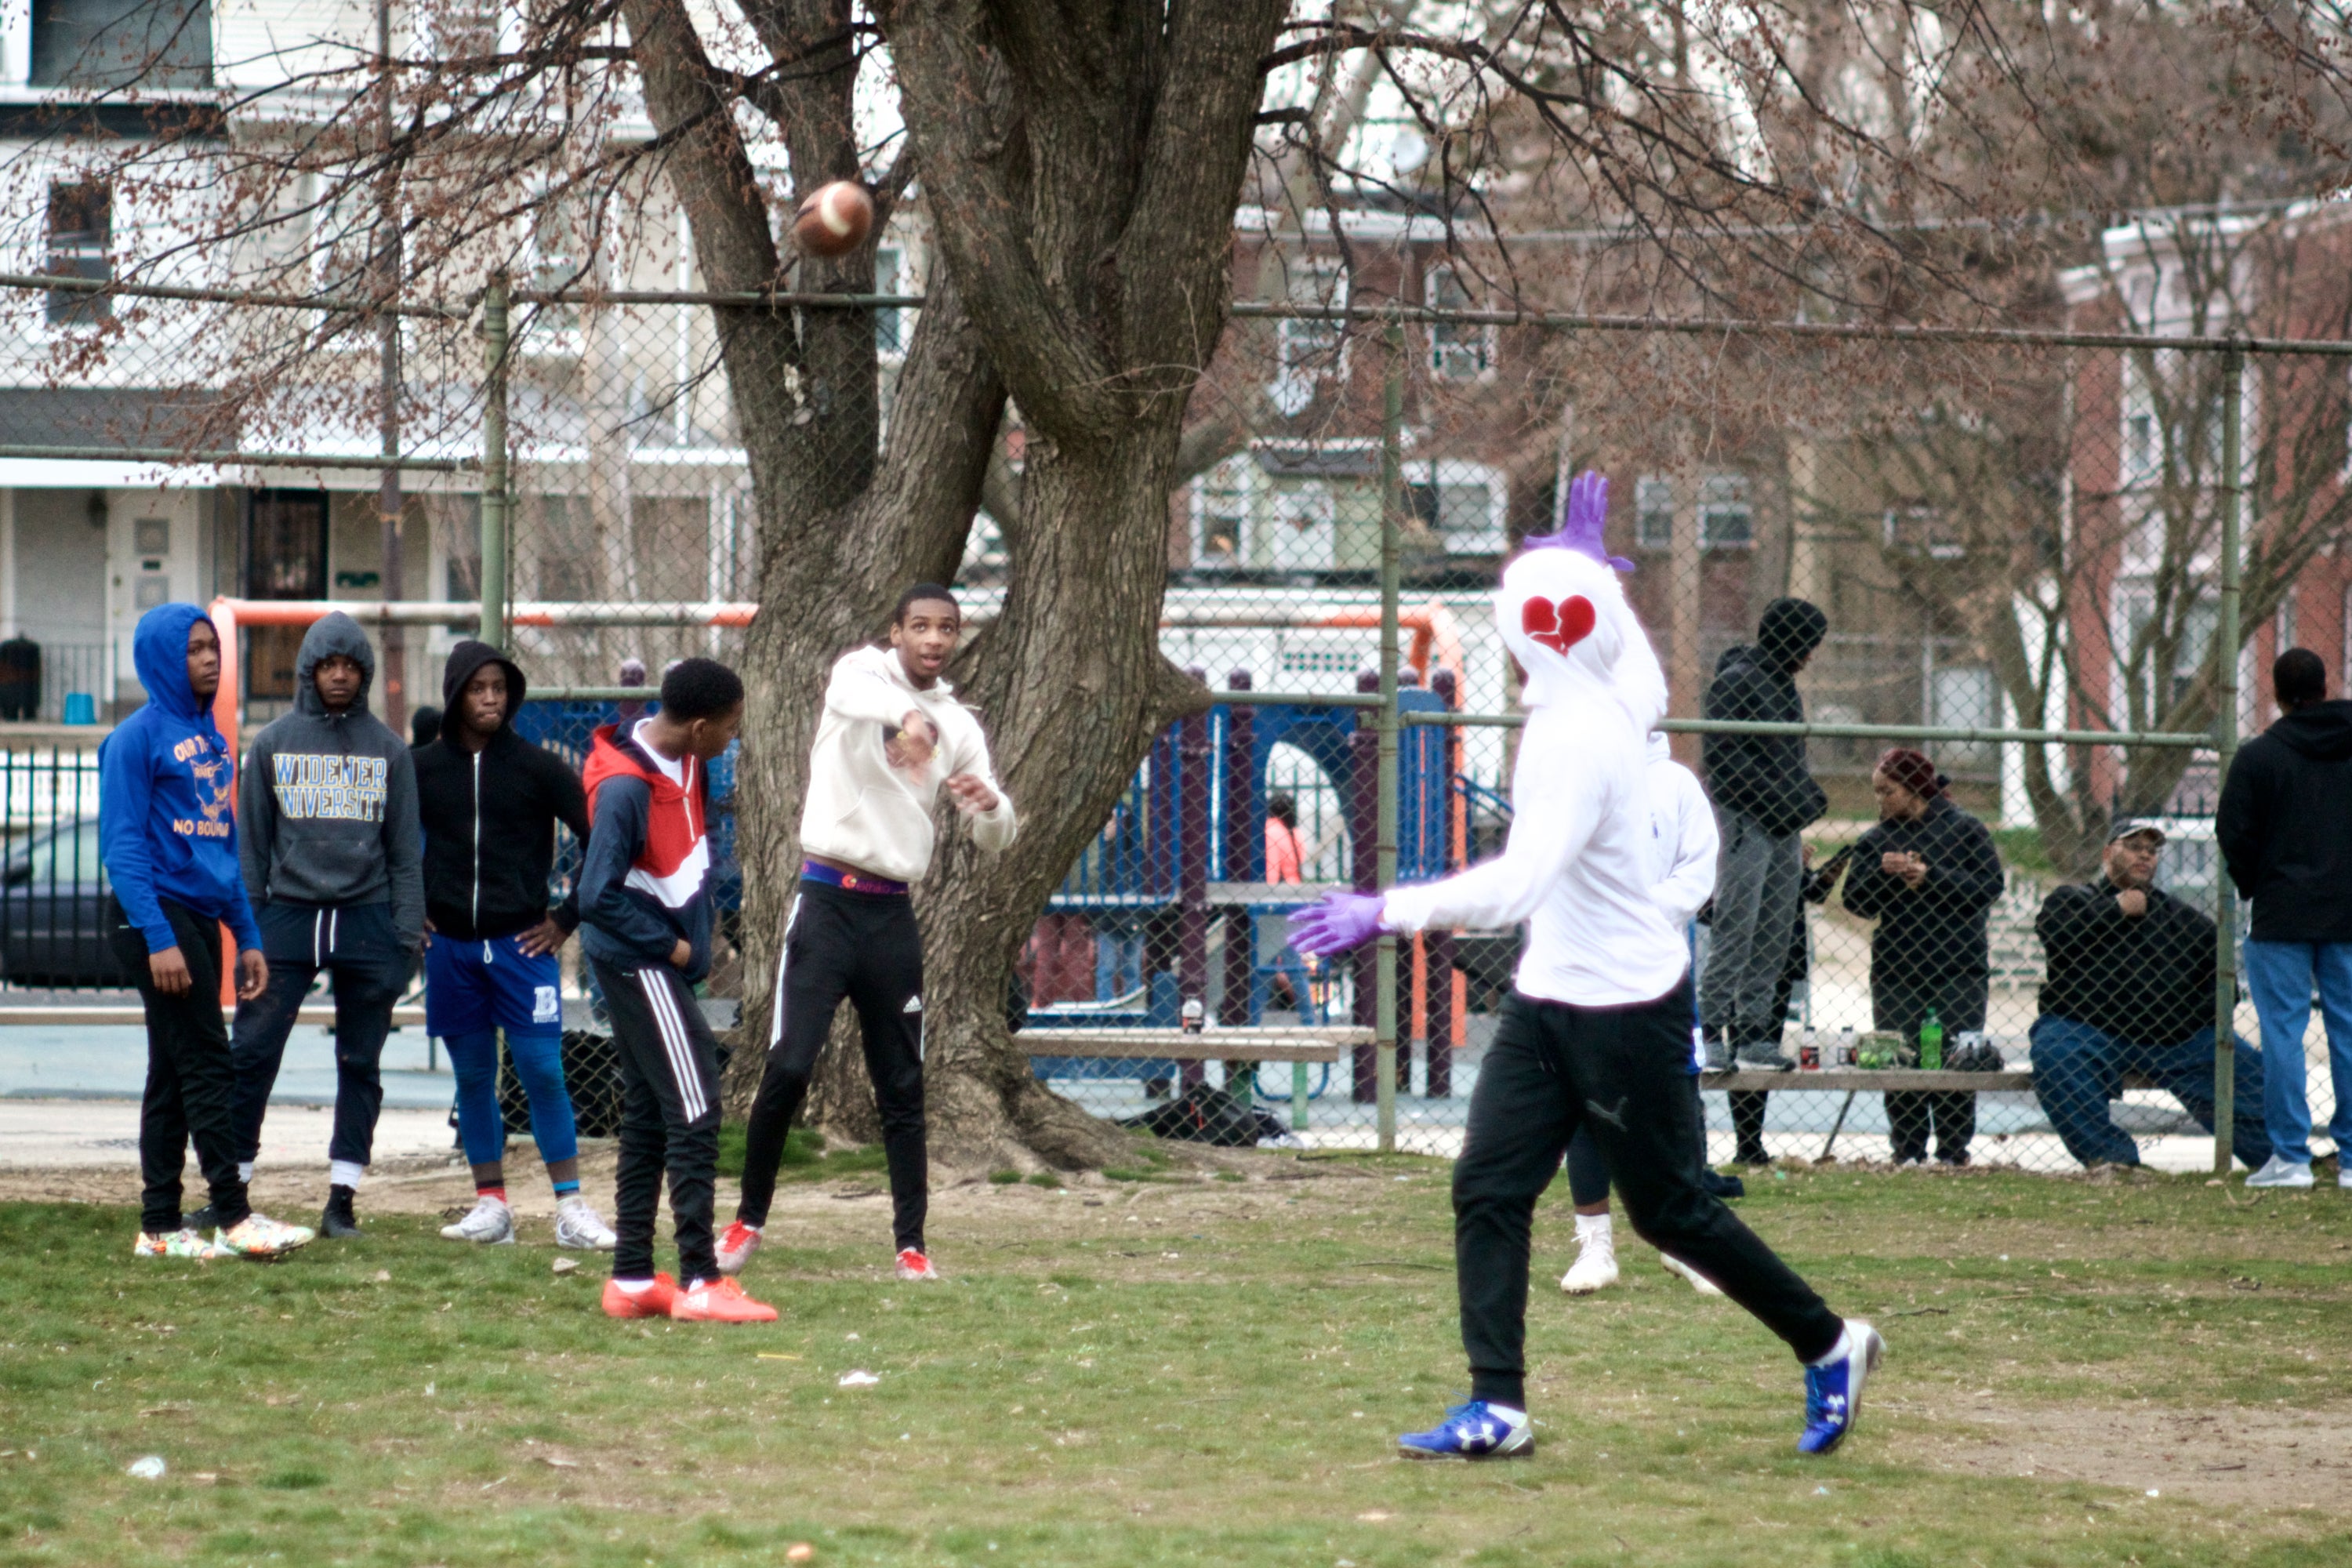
1583,522
1342,921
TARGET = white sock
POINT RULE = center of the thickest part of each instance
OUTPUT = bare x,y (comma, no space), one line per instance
1513,1417
1844,1346
344,1172
244,1170
634,1286
1592,1227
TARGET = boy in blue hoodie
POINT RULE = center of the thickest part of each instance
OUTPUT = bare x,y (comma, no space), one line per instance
166,779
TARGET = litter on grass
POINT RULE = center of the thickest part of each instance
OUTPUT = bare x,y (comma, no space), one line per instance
859,1379
150,1468
566,1264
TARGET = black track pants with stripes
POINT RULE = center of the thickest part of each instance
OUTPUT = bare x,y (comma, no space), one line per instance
864,947
669,1118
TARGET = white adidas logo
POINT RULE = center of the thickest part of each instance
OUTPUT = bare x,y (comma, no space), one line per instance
913,1005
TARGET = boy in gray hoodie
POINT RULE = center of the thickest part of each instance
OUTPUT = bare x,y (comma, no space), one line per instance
333,865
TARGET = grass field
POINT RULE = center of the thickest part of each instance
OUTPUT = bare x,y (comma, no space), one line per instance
1196,1368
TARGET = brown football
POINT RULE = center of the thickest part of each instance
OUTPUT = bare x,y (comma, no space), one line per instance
835,220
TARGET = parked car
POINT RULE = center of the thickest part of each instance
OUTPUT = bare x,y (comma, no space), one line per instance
53,900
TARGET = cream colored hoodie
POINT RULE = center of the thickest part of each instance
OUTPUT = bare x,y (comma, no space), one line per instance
862,811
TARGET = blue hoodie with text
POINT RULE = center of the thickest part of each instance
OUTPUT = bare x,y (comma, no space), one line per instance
167,786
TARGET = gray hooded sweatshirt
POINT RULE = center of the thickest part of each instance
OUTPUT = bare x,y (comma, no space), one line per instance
328,803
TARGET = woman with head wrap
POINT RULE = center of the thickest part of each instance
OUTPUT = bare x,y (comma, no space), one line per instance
1927,873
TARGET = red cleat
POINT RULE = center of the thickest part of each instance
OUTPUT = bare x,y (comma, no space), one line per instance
652,1301
736,1245
718,1301
914,1265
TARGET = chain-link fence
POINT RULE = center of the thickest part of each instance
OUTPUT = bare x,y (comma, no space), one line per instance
2029,559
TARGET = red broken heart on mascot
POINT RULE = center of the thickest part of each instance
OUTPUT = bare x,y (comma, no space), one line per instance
1557,626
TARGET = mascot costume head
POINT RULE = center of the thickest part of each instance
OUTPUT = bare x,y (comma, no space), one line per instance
1563,616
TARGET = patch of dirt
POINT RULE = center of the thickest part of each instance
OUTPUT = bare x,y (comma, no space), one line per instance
2267,1458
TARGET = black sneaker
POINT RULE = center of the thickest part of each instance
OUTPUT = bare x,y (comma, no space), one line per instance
1717,1184
336,1221
205,1218
1763,1056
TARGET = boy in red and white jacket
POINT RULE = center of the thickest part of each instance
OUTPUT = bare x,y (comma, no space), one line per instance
645,926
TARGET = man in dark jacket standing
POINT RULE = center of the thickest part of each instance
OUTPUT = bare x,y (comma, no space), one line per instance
2129,989
489,801
1927,873
328,840
1763,797
2285,827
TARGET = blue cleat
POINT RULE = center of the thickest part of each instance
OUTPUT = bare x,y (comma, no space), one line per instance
1474,1431
1833,1392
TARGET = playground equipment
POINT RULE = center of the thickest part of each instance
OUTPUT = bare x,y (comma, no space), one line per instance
1184,851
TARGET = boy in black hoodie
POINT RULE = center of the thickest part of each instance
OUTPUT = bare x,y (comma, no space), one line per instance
328,840
2285,827
489,801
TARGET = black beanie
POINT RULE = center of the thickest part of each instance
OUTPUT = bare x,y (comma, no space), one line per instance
1790,630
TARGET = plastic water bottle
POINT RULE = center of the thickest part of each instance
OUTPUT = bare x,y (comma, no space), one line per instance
1931,1043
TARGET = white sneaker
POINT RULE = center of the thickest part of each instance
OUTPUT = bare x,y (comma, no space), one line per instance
491,1223
736,1245
1595,1267
2343,1174
2278,1173
1699,1282
581,1228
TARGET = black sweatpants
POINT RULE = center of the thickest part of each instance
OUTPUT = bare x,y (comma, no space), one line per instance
863,946
357,946
191,1083
669,1118
1588,1174
1621,1074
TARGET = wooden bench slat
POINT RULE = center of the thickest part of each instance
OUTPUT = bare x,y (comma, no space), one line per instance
1841,1079
1249,1045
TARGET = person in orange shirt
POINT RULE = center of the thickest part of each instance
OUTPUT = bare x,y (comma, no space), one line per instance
1284,855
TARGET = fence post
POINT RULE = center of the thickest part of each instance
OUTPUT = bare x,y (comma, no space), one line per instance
2225,744
494,462
1384,975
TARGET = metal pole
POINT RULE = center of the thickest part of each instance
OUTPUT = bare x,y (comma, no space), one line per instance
388,496
1384,850
494,463
2225,743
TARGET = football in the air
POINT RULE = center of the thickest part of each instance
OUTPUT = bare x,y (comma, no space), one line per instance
835,220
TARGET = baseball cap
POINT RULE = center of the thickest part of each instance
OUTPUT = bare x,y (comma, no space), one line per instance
2130,826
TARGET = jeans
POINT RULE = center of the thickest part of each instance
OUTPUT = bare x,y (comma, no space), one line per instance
2282,975
2078,1070
190,1083
358,947
1760,877
1621,1075
1118,962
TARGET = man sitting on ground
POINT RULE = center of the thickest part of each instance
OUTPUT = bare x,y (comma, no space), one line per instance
2130,990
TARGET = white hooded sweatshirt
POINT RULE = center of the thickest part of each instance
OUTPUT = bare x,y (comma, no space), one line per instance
1683,841
862,811
1577,864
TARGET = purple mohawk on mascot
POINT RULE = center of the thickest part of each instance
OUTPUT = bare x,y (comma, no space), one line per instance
1582,521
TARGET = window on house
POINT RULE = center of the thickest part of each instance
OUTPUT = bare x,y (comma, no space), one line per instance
463,29
1456,352
112,44
559,249
1221,514
1461,503
1306,350
1654,513
1923,530
1725,520
81,244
